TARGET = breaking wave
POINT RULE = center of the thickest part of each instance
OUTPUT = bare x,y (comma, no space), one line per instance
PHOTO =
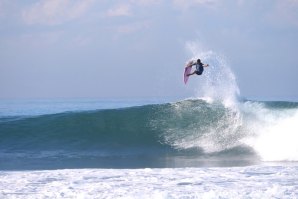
267,129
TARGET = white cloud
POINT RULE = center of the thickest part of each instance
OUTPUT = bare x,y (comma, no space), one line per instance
182,4
120,10
146,2
130,6
52,12
286,10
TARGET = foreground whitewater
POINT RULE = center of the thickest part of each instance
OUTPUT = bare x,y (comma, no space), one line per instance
236,182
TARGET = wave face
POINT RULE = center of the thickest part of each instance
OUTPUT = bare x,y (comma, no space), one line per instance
190,128
80,130
176,125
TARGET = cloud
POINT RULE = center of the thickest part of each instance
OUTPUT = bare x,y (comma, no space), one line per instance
53,12
145,2
119,10
128,8
286,10
184,5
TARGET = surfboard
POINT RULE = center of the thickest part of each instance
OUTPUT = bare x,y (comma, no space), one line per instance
187,71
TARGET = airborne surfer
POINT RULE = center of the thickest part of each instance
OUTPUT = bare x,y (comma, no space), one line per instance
199,67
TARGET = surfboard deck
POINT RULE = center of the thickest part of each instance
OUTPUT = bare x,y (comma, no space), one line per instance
187,71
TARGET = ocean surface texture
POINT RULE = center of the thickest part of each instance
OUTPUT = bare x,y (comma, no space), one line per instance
193,148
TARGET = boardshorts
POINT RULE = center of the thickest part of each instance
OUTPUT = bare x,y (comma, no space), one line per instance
199,69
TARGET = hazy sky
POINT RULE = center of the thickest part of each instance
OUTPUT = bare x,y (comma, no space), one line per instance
137,48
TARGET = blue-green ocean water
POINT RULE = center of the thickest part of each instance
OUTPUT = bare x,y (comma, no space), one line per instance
59,134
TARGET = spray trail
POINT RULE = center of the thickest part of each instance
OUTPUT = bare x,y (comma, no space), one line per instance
218,82
270,130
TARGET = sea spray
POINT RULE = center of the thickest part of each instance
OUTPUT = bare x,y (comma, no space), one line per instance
217,86
269,131
197,124
218,82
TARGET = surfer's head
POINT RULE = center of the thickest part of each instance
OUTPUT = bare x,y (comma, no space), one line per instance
198,61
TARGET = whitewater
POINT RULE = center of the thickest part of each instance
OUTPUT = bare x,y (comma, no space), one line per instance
213,145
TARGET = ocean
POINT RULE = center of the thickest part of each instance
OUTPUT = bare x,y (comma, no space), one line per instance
192,148
214,144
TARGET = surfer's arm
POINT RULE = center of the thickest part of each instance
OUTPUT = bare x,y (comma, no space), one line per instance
205,65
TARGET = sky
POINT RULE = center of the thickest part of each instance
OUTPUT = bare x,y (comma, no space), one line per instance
138,48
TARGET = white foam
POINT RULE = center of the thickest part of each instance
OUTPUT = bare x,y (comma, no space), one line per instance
272,133
278,141
242,182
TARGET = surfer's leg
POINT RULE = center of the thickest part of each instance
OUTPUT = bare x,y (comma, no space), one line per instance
191,73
